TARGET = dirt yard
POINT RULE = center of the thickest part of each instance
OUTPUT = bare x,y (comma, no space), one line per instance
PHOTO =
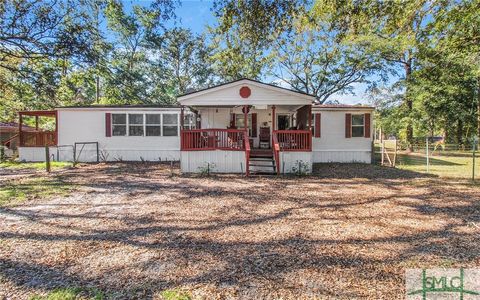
133,231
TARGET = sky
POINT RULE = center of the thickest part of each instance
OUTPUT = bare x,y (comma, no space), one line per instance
197,14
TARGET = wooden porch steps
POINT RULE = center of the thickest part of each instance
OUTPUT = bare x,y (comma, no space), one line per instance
262,164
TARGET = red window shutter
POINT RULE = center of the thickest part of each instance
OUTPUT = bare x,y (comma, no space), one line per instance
254,125
367,125
348,126
108,124
318,128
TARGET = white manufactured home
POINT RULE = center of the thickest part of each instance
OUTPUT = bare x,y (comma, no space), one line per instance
243,126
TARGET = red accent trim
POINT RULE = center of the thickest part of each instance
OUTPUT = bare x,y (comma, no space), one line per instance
212,139
37,137
367,122
254,125
348,126
56,127
245,92
276,152
108,124
318,124
247,153
293,140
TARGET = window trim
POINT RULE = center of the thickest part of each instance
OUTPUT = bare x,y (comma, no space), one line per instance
351,125
160,124
171,125
136,125
144,124
112,124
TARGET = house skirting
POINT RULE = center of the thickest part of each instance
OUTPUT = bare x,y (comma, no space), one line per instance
292,162
88,153
342,156
216,161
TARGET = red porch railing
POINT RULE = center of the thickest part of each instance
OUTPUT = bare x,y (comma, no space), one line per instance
247,154
38,138
212,139
294,140
276,152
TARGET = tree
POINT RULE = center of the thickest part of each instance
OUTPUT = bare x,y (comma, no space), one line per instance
36,30
183,63
136,34
457,34
394,31
245,34
317,61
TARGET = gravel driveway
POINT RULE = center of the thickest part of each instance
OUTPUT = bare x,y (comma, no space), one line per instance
134,230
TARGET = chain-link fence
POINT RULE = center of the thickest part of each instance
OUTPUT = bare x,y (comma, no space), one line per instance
432,157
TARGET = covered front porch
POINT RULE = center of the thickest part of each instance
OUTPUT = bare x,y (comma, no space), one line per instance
244,126
262,132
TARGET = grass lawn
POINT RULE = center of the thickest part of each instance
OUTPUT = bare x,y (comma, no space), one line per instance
13,192
71,294
35,166
451,164
133,231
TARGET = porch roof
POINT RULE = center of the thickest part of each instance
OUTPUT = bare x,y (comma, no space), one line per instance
258,93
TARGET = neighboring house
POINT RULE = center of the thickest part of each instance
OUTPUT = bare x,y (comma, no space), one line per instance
240,127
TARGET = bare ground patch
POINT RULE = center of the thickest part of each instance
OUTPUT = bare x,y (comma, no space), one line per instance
133,230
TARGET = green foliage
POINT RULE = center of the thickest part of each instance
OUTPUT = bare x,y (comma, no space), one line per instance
318,61
245,34
13,192
174,295
56,55
206,169
300,168
36,166
71,294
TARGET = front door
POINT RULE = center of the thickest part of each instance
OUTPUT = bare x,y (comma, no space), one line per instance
283,122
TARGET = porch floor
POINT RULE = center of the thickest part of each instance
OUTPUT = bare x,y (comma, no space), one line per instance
261,152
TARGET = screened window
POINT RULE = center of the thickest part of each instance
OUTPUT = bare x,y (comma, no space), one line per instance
358,125
119,124
240,122
135,124
189,121
170,124
152,125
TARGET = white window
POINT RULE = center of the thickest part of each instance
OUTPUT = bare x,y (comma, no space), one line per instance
119,124
189,121
153,125
170,124
358,125
135,124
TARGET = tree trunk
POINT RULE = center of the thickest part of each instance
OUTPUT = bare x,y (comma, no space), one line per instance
459,132
409,104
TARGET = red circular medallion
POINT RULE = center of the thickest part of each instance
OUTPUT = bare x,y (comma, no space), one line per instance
245,92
